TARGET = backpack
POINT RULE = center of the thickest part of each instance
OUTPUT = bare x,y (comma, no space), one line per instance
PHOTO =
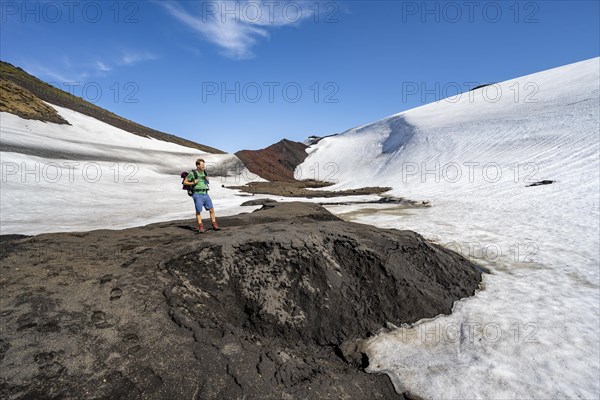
190,188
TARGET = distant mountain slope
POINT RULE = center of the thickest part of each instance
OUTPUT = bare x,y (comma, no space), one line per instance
276,162
50,94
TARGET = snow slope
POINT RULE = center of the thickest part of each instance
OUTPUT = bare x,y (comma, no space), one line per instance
92,175
532,332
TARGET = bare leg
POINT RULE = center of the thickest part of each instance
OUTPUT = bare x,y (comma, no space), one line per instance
213,218
199,218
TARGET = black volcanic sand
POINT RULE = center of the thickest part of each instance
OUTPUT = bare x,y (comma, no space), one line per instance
302,189
271,307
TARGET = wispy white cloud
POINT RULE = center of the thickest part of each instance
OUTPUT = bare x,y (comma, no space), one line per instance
236,26
102,66
132,58
50,74
127,58
66,70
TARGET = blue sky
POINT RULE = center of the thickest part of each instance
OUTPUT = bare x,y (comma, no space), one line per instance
243,75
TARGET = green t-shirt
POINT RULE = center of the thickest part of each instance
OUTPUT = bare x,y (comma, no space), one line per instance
201,185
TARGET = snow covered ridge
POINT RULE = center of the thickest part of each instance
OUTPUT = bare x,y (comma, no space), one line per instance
90,139
532,332
505,123
91,175
19,101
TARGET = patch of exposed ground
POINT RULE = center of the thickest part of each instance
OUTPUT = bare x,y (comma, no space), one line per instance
16,100
302,189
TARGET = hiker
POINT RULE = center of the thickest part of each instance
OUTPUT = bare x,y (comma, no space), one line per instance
199,182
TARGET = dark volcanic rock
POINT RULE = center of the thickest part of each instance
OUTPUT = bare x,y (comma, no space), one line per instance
481,86
273,306
259,202
316,139
540,183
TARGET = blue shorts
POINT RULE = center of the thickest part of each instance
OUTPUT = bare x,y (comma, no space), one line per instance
202,200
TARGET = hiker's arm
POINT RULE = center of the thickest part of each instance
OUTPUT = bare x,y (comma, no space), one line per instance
186,182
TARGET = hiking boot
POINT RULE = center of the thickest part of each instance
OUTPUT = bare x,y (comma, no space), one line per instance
215,226
200,228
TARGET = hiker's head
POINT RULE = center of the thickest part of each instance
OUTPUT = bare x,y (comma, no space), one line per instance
200,163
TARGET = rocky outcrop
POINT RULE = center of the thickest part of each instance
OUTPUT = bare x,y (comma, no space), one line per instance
275,305
309,141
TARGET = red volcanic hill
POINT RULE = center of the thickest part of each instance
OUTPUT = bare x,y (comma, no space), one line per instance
276,162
